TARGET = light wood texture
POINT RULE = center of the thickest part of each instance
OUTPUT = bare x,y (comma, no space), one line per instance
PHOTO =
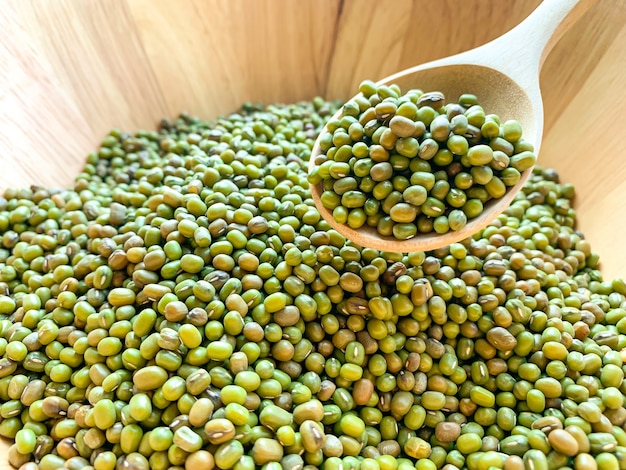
70,70
504,74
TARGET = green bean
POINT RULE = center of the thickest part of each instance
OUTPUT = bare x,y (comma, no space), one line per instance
184,305
187,439
25,441
266,450
390,149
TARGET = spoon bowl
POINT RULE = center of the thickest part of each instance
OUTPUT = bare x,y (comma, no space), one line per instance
504,75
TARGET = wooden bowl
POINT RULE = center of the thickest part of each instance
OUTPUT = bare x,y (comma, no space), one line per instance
71,71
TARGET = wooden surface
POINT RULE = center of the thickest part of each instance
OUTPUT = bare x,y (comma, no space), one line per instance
70,70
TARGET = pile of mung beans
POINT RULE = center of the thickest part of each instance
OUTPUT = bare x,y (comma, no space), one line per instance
184,306
411,163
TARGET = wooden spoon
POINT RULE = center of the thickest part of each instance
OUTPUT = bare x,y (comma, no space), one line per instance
504,74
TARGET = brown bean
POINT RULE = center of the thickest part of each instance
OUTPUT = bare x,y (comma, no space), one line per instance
362,391
447,432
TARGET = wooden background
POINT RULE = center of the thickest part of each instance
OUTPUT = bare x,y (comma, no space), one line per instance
70,70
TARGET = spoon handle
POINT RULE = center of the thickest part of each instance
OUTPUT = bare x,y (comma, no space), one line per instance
520,53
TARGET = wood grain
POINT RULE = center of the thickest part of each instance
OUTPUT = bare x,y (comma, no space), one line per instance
377,38
70,70
36,112
588,149
269,51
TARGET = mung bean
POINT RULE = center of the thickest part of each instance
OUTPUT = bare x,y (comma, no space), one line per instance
217,318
